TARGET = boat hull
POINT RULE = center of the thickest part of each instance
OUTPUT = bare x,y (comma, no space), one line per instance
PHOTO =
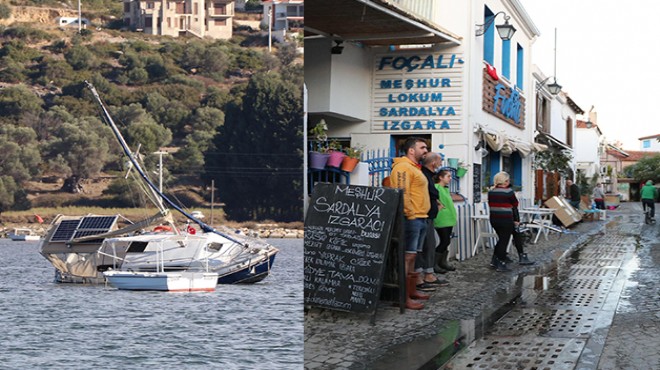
24,238
181,281
250,274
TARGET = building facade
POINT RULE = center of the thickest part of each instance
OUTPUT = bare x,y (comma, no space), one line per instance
284,16
380,73
649,143
201,18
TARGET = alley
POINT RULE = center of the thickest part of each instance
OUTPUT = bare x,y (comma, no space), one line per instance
599,309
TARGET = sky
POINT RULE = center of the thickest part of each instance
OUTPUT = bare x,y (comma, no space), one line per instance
607,56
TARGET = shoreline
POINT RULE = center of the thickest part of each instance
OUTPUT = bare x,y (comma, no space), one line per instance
260,231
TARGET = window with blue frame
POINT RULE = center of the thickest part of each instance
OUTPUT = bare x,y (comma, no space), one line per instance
646,144
506,59
520,69
489,38
513,166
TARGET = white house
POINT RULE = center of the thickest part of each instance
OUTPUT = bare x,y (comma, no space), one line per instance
284,16
592,144
649,143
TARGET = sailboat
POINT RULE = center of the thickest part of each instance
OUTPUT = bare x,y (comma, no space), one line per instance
82,248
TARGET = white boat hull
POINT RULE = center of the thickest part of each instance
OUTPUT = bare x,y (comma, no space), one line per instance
24,238
180,281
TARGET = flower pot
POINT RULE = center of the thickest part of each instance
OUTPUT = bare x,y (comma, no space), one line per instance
318,160
453,162
348,164
335,158
461,172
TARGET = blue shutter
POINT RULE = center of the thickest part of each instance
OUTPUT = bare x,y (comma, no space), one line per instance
506,59
516,163
494,166
520,63
489,38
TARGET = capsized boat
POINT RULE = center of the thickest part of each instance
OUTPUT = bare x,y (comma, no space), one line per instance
80,248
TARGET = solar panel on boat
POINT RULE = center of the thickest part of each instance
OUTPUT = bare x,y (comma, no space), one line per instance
65,230
97,222
91,225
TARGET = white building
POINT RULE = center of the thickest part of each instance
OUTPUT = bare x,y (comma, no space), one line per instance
201,18
393,69
285,17
649,143
592,144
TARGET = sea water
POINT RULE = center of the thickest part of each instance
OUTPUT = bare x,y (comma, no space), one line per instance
44,324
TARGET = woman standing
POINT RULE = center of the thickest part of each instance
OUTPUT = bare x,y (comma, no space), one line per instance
444,221
504,218
599,196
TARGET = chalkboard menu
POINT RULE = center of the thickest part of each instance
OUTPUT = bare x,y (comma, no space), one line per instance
347,234
476,183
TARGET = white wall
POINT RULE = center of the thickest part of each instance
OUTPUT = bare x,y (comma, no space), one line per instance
654,145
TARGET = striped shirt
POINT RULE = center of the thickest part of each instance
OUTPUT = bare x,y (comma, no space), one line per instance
501,202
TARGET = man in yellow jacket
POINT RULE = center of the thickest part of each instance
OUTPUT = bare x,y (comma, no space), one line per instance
407,175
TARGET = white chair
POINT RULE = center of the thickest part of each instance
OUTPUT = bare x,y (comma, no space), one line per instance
484,231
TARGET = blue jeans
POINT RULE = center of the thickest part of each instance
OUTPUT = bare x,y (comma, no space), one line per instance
415,234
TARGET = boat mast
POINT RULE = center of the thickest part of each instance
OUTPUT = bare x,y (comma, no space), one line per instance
106,116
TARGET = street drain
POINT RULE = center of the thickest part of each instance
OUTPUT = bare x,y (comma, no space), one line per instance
613,239
522,353
603,255
547,323
577,270
571,299
586,283
599,262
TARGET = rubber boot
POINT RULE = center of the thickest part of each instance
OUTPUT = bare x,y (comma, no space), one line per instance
437,268
500,266
413,293
410,287
523,260
442,262
493,262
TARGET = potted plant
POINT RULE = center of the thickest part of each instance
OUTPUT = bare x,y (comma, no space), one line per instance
353,156
335,154
319,158
462,169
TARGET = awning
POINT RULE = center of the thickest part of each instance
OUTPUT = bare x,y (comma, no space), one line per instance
552,141
372,22
500,142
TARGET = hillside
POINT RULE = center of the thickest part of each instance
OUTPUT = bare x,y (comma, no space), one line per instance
161,92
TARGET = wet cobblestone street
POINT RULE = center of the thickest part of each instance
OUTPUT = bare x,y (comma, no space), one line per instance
590,302
600,309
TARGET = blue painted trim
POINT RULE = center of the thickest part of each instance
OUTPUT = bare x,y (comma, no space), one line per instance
494,166
506,59
516,162
520,67
489,38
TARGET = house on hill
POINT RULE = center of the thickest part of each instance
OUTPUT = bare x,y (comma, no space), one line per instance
201,18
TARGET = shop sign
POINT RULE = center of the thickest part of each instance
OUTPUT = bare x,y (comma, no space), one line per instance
503,101
417,92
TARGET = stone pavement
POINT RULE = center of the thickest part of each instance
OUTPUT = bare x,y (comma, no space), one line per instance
634,337
423,339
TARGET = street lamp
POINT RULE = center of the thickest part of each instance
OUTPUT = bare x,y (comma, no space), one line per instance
505,30
554,88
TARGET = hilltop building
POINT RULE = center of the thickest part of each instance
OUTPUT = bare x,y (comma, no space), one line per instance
212,18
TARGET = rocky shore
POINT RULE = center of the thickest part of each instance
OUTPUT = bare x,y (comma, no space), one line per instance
259,231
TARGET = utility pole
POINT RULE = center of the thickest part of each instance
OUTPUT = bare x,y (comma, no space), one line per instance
212,199
160,169
79,19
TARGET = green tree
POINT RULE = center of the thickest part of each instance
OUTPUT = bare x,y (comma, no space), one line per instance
79,150
79,57
8,189
5,11
18,99
647,168
256,160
